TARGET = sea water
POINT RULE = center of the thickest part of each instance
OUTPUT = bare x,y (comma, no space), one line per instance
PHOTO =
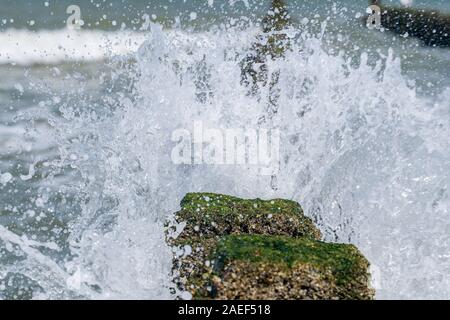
87,181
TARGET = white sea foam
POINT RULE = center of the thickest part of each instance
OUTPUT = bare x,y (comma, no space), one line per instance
23,47
16,139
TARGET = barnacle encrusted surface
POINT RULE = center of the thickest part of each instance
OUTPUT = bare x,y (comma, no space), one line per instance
261,249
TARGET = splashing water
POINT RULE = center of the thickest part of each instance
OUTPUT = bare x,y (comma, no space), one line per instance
365,156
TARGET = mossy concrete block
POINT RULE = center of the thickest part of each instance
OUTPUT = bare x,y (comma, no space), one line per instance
278,267
232,248
208,214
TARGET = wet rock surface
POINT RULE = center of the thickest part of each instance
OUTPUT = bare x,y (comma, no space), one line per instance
429,26
234,248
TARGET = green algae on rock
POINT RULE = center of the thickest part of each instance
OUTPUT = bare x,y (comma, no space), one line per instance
261,249
299,268
271,44
210,214
274,25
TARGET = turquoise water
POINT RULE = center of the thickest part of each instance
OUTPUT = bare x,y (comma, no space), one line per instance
84,182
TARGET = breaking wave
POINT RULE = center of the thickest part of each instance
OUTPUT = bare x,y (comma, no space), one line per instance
364,154
24,48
